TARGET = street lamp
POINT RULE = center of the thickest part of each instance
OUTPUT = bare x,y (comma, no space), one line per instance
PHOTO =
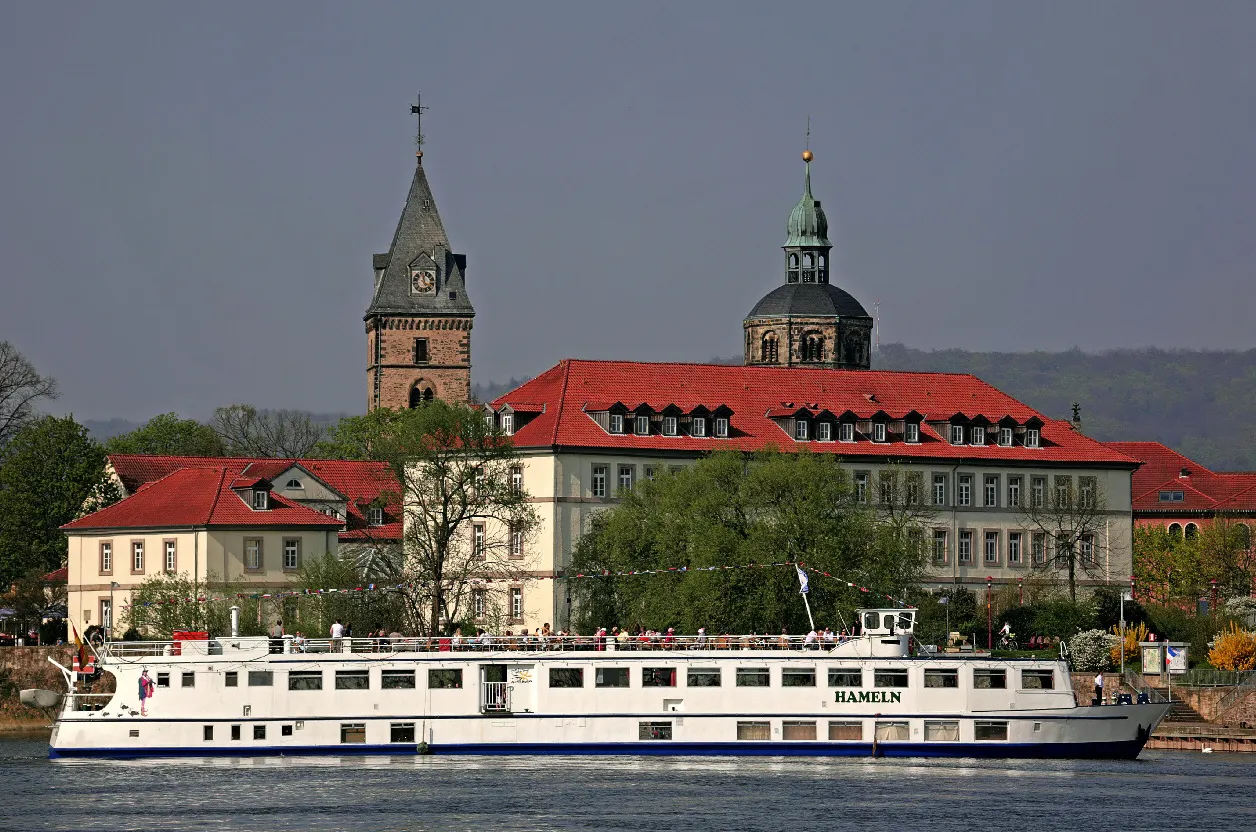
1020,590
1125,596
989,615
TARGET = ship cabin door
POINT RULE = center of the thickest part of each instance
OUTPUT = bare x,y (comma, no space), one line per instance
494,694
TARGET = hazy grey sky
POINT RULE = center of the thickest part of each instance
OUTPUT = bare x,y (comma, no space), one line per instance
192,192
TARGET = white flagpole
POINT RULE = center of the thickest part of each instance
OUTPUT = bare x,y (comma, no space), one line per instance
808,603
804,585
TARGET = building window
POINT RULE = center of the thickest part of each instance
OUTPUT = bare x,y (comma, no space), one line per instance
420,351
979,435
939,489
878,431
1063,490
508,423
1031,437
479,542
721,427
516,603
911,432
939,547
253,554
172,559
516,479
625,477
813,346
516,542
1086,487
478,606
137,556
1039,544
1013,492
106,557
800,430
698,426
375,516
992,491
1087,549
1172,496
992,548
1005,437
957,434
598,485
642,426
888,486
649,472
965,546
617,423
1038,492
1175,530
295,483
669,425
861,487
914,484
291,553
964,493
259,500
846,432
769,351
1014,548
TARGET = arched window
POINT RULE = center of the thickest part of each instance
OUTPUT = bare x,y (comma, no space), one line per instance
813,347
768,353
793,268
421,394
808,268
1191,531
294,483
1175,530
824,269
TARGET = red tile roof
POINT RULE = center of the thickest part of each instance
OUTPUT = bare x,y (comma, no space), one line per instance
572,387
198,497
1202,489
361,482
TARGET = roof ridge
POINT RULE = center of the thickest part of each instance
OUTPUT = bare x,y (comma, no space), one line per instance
562,401
213,504
763,368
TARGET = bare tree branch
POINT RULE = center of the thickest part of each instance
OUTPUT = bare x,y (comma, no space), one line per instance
247,431
1071,513
20,387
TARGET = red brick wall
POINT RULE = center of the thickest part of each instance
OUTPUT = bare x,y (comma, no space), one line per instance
448,368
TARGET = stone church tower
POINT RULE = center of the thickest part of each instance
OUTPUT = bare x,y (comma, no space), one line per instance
418,326
808,322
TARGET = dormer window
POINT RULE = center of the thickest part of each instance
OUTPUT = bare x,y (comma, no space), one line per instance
979,435
721,427
642,426
1032,437
698,426
375,516
294,483
911,432
260,500
957,434
878,431
800,430
1172,496
508,423
617,423
1005,437
846,432
824,432
669,425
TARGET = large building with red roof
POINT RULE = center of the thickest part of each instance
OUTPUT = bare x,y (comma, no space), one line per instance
244,520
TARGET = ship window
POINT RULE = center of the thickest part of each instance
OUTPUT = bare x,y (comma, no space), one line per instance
351,732
396,679
261,678
948,678
285,730
235,732
798,677
753,677
841,677
703,677
872,621
941,731
231,679
846,730
1038,679
134,733
987,731
754,730
353,680
401,732
886,677
611,677
658,677
988,678
566,677
892,731
163,680
654,730
798,730
444,679
259,732
305,680
207,733
189,679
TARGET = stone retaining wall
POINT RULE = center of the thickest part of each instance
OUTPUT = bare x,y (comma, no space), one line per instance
28,667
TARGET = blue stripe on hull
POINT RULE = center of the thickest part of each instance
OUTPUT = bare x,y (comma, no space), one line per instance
1118,750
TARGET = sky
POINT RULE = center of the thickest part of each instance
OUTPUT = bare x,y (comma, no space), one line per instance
192,192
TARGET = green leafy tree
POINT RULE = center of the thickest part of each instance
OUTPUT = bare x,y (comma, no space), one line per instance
50,473
731,510
167,434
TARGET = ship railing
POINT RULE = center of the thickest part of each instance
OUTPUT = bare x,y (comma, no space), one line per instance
87,701
1139,685
494,697
554,643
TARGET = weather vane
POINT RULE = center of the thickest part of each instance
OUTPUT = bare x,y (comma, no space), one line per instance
806,154
417,109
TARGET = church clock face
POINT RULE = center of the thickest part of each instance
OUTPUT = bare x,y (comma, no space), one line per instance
423,281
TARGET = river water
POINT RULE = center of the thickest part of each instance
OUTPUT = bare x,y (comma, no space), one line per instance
1169,790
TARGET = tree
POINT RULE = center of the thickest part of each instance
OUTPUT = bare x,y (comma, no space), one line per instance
1234,649
247,431
50,473
33,597
168,435
1072,517
21,386
466,517
732,510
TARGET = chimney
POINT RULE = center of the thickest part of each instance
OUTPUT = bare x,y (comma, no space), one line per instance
1077,417
1184,474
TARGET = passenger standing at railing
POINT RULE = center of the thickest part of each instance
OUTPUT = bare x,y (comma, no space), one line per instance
669,640
701,642
337,633
456,641
811,642
829,638
782,642
276,637
621,638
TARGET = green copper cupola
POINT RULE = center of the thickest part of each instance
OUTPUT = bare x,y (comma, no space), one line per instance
807,237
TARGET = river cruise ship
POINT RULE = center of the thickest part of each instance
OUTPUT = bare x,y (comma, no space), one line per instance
869,695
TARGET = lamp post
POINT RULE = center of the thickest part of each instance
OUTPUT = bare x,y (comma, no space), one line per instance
1132,588
1125,596
1212,607
1020,590
989,615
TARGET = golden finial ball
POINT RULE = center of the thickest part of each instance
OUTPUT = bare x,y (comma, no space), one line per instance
806,156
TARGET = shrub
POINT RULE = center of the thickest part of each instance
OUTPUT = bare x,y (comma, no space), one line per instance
1133,635
1234,649
1242,608
1091,650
